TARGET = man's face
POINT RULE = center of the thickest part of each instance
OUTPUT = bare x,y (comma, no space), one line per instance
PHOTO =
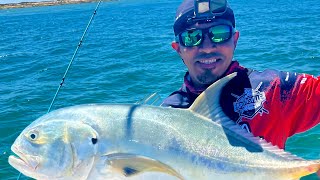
208,61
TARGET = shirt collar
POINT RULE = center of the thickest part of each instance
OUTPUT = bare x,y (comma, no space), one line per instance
234,67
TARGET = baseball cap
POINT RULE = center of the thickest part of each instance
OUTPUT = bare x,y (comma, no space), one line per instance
186,12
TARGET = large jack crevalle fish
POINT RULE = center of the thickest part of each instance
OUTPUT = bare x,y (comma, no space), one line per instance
115,141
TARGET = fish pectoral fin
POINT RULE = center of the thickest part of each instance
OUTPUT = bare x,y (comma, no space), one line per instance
132,164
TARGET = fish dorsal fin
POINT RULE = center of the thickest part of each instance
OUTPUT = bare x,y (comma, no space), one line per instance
208,102
249,138
152,99
208,105
132,164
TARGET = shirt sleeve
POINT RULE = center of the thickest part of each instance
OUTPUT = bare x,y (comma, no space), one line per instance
302,109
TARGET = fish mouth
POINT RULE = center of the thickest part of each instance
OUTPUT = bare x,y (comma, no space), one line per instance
22,162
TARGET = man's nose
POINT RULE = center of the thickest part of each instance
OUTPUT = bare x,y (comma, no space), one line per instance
207,44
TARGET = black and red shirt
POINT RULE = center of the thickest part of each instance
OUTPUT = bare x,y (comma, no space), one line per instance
271,104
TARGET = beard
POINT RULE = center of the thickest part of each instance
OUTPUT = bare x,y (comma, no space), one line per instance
207,77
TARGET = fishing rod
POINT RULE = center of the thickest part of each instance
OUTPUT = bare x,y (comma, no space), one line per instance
71,61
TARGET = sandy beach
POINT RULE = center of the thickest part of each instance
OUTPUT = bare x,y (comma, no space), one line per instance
44,3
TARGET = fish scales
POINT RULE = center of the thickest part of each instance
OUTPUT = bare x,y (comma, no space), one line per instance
125,141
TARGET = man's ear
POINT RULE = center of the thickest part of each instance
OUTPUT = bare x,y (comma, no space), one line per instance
235,38
175,46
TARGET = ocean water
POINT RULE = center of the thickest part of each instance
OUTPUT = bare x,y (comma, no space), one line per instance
127,55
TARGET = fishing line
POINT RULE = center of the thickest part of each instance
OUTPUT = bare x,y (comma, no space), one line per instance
71,61
74,55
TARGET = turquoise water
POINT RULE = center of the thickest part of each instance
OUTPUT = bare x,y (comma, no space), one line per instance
127,55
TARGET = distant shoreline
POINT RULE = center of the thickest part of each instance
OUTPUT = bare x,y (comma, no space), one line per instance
44,3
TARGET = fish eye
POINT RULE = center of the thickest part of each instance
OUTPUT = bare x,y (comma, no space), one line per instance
33,135
94,140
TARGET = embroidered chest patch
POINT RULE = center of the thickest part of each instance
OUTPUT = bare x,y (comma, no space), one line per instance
250,103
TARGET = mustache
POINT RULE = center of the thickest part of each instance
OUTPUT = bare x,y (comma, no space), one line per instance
208,55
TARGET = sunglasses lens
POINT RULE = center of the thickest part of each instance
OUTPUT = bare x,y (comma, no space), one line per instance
191,37
217,34
220,33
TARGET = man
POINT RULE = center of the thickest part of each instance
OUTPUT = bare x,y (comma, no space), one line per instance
271,104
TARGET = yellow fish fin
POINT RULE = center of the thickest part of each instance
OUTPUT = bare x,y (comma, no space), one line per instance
132,164
310,167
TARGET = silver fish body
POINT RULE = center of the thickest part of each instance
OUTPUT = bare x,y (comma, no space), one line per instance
113,141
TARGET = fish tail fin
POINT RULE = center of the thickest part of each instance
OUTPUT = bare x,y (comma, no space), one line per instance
313,167
318,168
